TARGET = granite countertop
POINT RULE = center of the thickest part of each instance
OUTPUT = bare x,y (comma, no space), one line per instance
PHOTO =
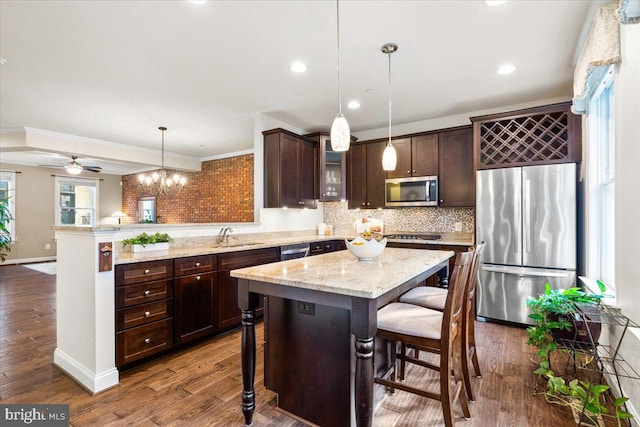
241,242
341,272
236,243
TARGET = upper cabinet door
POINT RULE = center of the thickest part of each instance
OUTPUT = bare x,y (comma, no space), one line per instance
403,151
425,155
457,187
357,176
375,175
307,173
289,178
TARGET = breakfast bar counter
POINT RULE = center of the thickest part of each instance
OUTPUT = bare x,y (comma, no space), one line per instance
337,281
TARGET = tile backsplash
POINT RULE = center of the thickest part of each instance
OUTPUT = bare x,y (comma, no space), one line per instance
403,219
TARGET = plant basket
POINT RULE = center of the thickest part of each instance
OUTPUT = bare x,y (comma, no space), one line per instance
151,247
585,326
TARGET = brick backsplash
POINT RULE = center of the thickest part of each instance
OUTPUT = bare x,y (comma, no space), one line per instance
440,220
221,192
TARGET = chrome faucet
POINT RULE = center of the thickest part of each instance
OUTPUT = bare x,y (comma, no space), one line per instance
223,236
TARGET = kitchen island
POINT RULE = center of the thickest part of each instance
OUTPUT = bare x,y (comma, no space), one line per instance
340,281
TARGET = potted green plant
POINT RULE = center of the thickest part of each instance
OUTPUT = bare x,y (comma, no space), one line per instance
563,314
145,243
5,233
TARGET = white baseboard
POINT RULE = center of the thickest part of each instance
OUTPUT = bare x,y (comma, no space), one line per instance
29,260
94,383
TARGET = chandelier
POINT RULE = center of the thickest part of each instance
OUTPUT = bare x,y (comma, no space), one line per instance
162,182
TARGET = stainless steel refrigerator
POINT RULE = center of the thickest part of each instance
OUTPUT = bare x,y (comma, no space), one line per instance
527,217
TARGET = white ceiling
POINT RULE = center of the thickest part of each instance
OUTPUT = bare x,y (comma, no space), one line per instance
114,71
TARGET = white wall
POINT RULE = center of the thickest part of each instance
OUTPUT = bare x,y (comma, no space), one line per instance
627,113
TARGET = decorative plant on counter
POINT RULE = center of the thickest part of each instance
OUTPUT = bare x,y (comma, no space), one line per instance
5,233
560,314
145,239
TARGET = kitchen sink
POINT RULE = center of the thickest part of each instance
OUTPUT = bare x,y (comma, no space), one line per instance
235,244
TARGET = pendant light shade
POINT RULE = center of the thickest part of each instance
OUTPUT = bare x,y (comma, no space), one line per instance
389,156
340,132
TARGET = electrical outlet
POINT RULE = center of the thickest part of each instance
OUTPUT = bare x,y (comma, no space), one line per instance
458,226
306,308
47,246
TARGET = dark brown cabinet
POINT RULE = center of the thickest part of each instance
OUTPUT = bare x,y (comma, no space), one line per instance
456,175
195,297
332,179
144,310
366,176
417,156
290,170
229,314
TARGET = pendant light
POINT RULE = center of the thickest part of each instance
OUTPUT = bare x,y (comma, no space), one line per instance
389,157
340,133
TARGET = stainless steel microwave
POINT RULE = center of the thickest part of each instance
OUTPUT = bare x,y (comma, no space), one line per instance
414,191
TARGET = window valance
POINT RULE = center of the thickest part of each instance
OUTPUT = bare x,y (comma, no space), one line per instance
601,47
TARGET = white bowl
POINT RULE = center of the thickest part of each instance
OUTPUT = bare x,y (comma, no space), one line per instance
366,250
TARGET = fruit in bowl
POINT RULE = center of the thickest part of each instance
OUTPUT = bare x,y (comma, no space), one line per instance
366,250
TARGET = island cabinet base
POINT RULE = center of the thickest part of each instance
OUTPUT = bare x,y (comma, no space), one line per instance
309,360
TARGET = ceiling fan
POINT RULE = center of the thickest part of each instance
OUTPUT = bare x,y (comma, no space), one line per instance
73,167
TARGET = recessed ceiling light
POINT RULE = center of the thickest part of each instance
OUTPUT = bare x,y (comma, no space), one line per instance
298,67
198,1
506,69
494,2
353,104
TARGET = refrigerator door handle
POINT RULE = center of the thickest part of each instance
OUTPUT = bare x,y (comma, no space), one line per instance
526,200
528,272
518,216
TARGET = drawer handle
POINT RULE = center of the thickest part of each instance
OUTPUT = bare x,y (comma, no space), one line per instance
147,271
147,292
147,313
197,277
147,340
197,264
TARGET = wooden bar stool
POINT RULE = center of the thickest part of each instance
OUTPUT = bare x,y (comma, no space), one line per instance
433,331
435,298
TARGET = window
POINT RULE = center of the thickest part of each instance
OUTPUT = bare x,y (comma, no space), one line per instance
76,201
601,163
8,191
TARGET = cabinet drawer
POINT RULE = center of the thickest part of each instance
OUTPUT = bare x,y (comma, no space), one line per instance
127,296
323,247
143,314
128,274
194,264
233,260
143,341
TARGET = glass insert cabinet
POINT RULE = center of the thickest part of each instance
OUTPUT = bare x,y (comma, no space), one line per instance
333,169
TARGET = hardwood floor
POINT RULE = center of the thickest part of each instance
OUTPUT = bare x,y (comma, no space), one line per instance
201,385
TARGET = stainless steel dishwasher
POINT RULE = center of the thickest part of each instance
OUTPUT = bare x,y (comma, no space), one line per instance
299,250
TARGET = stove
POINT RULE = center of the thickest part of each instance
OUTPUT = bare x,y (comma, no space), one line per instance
412,237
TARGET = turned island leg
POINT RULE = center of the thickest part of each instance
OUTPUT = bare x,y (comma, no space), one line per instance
364,381
363,327
248,302
248,365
